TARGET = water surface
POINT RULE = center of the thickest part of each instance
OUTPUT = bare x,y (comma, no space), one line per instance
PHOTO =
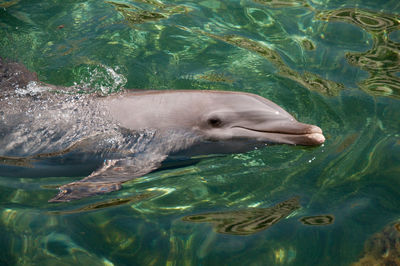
331,63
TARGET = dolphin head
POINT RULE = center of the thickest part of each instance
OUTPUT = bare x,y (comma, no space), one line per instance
215,115
248,116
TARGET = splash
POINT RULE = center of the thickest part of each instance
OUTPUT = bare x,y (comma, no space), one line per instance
99,78
33,88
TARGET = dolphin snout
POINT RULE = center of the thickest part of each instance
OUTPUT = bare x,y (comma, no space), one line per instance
314,129
316,138
314,135
295,132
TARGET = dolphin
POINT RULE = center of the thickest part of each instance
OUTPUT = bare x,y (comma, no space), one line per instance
130,133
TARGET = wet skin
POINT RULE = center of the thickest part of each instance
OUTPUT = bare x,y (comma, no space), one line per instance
44,124
214,115
205,117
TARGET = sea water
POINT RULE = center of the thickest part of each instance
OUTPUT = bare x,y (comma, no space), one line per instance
332,63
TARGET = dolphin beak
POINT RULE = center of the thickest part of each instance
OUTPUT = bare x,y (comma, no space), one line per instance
312,135
299,133
288,132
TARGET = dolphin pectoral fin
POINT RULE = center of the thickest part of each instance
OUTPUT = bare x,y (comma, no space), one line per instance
108,178
78,190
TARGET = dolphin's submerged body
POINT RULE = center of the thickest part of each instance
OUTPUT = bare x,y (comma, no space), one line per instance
44,128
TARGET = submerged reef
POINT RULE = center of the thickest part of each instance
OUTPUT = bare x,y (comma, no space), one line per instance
383,248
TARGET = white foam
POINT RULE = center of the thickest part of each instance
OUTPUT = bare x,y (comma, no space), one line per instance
33,88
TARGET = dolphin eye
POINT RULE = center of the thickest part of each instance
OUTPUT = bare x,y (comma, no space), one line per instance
214,121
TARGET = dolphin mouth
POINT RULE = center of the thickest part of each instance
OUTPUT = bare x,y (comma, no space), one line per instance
304,134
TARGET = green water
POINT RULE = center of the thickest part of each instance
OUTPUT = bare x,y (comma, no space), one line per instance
331,63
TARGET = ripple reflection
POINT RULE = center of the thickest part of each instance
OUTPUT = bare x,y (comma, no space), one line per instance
382,61
248,221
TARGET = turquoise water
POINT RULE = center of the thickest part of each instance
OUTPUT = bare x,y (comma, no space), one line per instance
331,63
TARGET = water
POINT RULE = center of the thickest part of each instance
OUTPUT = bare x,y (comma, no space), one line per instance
331,63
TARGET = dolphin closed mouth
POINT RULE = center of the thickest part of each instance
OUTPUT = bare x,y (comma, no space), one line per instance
297,134
176,120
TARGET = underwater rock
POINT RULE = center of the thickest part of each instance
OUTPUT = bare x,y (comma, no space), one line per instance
383,248
247,221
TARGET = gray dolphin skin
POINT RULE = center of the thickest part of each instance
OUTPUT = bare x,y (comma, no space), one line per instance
128,134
